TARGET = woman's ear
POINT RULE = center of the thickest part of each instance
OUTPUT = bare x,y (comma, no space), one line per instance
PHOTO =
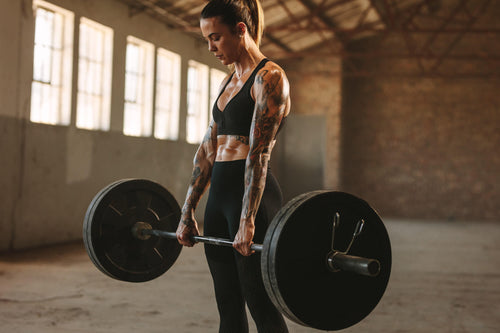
241,28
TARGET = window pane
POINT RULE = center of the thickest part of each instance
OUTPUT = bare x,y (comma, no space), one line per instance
138,117
167,95
44,27
132,58
41,64
197,103
53,52
132,119
216,78
94,76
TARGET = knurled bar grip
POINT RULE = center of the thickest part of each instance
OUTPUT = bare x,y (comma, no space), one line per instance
198,239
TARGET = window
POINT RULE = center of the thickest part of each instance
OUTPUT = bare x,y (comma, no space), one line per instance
52,65
168,78
197,102
138,117
216,78
94,76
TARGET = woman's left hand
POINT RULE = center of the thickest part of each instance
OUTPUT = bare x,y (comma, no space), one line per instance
244,238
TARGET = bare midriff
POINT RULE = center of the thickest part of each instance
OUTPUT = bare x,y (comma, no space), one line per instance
232,148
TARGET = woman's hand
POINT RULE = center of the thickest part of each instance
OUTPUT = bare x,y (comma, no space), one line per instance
188,227
244,238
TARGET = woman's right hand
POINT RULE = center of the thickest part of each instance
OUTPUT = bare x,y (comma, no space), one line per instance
188,227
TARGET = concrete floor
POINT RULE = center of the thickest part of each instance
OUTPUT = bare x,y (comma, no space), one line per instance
445,278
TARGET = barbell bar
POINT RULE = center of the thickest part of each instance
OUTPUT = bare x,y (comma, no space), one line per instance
335,260
129,234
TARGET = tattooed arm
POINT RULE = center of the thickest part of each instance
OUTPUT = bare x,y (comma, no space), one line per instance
271,90
203,164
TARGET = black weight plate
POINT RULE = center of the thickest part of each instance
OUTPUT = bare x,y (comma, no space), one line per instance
267,262
87,225
299,282
107,230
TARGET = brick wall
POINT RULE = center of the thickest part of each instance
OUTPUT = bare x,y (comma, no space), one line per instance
414,146
424,147
316,93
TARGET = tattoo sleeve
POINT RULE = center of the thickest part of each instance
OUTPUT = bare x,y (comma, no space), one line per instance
202,171
271,96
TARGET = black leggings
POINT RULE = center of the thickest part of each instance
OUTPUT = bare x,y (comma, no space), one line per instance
237,279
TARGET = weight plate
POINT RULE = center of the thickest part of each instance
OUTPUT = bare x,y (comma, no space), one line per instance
294,260
268,261
107,230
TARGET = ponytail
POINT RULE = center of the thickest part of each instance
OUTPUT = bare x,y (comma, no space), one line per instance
232,12
257,13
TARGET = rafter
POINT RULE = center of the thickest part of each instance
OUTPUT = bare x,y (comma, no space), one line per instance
311,7
459,36
311,28
167,17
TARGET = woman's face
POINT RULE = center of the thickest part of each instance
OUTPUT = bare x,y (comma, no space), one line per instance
223,42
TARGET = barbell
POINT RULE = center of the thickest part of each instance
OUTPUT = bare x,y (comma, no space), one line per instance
129,234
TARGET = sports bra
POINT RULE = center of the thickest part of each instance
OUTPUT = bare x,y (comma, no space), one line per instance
236,118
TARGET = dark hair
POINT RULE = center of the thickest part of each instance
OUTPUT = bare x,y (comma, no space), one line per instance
232,12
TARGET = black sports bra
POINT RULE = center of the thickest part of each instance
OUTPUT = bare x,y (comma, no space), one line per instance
236,118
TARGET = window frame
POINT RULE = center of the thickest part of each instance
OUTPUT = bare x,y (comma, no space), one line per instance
197,101
216,78
143,102
100,113
51,96
167,104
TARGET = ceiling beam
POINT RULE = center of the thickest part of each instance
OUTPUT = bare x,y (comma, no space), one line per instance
312,7
170,19
473,19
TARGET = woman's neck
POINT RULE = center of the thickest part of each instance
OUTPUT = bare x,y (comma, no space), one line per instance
248,61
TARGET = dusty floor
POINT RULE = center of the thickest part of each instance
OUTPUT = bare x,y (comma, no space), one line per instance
445,278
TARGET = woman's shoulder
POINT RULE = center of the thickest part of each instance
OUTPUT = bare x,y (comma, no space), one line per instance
271,70
271,81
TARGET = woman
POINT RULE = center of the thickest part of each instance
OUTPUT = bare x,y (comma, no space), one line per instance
234,158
